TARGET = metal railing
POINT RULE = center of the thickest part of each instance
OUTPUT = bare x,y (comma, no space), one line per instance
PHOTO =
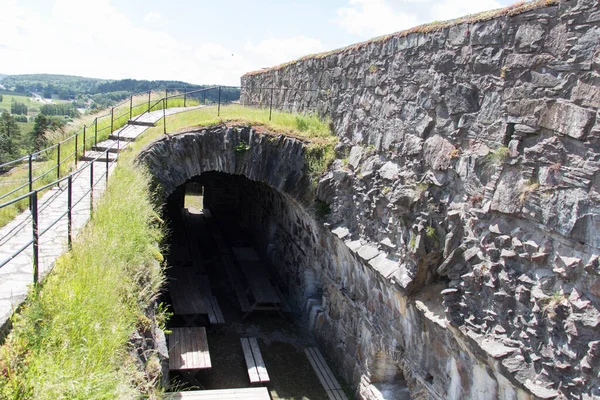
79,142
128,112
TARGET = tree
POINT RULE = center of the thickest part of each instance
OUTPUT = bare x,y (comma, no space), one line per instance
17,107
41,123
9,133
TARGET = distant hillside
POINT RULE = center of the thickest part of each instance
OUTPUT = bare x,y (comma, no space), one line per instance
67,86
2,76
101,92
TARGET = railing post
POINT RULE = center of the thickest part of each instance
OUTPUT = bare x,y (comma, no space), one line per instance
166,95
219,106
96,132
58,161
271,105
76,147
30,178
130,106
91,187
149,92
204,97
184,98
107,164
165,116
69,212
36,238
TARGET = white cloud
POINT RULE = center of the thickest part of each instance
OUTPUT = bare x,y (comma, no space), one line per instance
70,42
373,17
154,18
449,9
272,52
368,18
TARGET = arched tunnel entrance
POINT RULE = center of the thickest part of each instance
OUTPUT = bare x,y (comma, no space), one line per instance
224,232
250,260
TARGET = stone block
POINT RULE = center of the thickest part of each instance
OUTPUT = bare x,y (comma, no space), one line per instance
529,37
384,265
568,119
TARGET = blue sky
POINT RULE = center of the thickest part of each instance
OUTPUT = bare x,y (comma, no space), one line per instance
198,41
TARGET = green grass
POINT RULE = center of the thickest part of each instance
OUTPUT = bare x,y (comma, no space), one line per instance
70,341
308,127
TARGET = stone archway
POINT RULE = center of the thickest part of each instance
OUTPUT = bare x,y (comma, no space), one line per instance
277,161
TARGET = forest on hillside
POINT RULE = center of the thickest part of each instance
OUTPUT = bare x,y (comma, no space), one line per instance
98,93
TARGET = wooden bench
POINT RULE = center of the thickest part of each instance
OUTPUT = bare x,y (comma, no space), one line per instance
234,280
215,316
188,349
331,385
254,361
255,393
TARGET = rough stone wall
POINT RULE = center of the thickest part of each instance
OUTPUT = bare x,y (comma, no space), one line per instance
469,162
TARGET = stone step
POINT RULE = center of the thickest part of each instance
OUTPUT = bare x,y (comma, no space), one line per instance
141,123
122,138
91,155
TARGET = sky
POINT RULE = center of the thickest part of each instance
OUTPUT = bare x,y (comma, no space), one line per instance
197,41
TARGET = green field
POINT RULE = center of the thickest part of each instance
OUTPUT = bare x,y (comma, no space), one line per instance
7,99
28,101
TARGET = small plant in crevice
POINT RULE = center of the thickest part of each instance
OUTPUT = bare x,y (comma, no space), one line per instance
413,242
430,232
476,198
318,158
372,69
322,209
497,156
550,303
420,188
527,190
242,147
454,153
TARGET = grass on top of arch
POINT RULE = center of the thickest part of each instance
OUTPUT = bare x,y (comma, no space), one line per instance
308,127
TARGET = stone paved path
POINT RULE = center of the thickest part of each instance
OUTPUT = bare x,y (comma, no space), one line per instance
16,276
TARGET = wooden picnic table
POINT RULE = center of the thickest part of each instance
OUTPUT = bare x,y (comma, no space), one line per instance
263,291
253,270
188,349
265,296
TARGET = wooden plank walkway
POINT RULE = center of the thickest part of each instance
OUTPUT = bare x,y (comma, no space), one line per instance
188,349
257,372
326,377
256,393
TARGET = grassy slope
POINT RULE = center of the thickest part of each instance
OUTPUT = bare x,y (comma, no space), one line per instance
71,339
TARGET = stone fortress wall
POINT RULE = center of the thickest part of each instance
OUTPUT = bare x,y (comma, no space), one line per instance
465,198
